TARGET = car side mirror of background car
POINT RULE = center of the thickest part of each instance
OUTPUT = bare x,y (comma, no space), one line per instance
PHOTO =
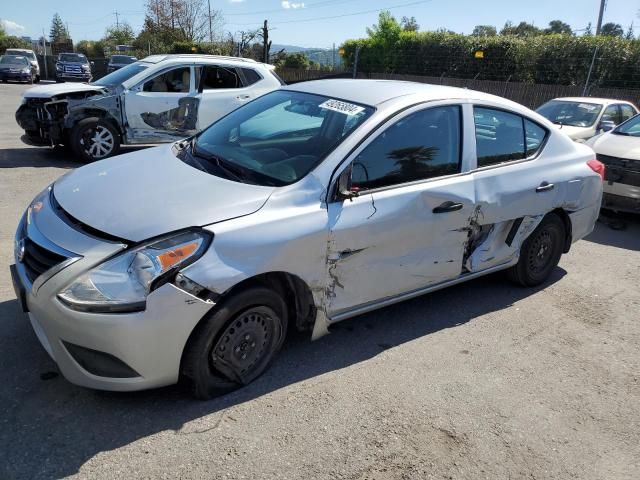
606,125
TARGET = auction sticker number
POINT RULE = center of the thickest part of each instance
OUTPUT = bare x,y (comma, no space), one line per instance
342,107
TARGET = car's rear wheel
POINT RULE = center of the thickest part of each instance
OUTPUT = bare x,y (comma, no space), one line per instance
235,344
94,139
540,252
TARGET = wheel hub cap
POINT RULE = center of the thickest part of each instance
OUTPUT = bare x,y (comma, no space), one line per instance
98,142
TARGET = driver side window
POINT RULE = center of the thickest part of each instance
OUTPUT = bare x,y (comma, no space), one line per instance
177,80
423,145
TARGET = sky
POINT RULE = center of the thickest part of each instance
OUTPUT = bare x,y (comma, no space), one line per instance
318,23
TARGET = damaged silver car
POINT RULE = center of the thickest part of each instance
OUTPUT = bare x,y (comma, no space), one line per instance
159,99
307,206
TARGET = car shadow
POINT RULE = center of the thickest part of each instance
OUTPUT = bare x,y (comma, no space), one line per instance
50,428
46,157
617,230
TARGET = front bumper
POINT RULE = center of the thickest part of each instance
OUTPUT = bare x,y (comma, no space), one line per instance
73,77
149,343
16,76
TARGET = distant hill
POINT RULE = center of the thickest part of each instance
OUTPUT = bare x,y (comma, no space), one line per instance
324,56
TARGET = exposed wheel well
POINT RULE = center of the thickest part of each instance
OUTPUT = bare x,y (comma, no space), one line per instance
95,112
567,228
294,291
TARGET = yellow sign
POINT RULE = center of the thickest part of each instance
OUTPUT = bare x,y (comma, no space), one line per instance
193,49
479,54
341,51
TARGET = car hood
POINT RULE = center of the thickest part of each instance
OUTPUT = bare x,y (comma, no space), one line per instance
151,192
613,145
48,91
576,133
8,66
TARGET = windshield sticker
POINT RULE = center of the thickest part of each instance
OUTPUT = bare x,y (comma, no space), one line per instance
342,107
588,106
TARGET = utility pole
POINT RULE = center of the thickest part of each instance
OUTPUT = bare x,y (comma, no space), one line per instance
44,44
173,25
210,29
355,61
603,4
333,57
117,21
266,44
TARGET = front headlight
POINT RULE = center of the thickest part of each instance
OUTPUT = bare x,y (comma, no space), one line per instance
58,67
123,283
86,68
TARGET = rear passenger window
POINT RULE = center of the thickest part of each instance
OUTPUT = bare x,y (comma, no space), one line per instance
250,76
215,77
423,145
535,137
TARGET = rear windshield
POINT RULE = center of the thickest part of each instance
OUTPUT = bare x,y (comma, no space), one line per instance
121,75
29,55
123,59
72,57
573,114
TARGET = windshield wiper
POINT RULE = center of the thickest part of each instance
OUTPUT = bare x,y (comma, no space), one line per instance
221,163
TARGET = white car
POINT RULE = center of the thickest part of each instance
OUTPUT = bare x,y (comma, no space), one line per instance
31,56
619,151
584,117
159,99
312,204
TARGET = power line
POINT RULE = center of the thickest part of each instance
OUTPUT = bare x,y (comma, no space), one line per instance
279,10
342,15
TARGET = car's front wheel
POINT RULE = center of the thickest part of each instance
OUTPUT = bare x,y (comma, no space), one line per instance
236,342
94,139
37,80
540,252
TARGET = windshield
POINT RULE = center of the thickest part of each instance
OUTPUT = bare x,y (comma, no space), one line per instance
119,76
122,59
573,114
72,58
276,139
631,127
11,60
29,55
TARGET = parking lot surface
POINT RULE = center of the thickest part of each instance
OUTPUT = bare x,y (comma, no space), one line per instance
482,380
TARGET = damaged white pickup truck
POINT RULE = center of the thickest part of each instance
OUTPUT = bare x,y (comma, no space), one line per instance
312,204
159,99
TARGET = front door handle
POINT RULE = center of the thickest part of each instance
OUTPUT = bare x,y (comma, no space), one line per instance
545,187
448,206
243,97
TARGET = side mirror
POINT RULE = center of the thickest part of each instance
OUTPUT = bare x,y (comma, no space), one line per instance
344,189
606,125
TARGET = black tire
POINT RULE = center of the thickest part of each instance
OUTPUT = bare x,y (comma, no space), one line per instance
37,80
249,328
59,80
540,252
94,139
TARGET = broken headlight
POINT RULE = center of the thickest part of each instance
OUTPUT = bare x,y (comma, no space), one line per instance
123,282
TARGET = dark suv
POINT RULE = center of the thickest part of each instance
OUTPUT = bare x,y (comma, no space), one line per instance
118,61
73,67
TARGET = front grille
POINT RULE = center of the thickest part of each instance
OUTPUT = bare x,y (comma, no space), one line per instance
37,260
72,69
628,163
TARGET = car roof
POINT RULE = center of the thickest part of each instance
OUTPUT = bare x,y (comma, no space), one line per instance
192,57
604,101
20,50
375,92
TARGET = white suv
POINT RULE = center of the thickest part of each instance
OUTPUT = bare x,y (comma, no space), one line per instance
31,56
159,99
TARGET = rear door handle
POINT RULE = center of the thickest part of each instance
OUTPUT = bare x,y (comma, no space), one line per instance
448,206
544,187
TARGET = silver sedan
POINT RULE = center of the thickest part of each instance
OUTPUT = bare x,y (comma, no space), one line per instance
304,207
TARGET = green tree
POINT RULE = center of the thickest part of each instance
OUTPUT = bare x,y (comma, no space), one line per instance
296,60
484,31
630,35
121,34
588,32
58,31
409,24
558,26
387,31
523,29
612,30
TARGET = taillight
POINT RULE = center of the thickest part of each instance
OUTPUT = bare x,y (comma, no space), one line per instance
597,166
